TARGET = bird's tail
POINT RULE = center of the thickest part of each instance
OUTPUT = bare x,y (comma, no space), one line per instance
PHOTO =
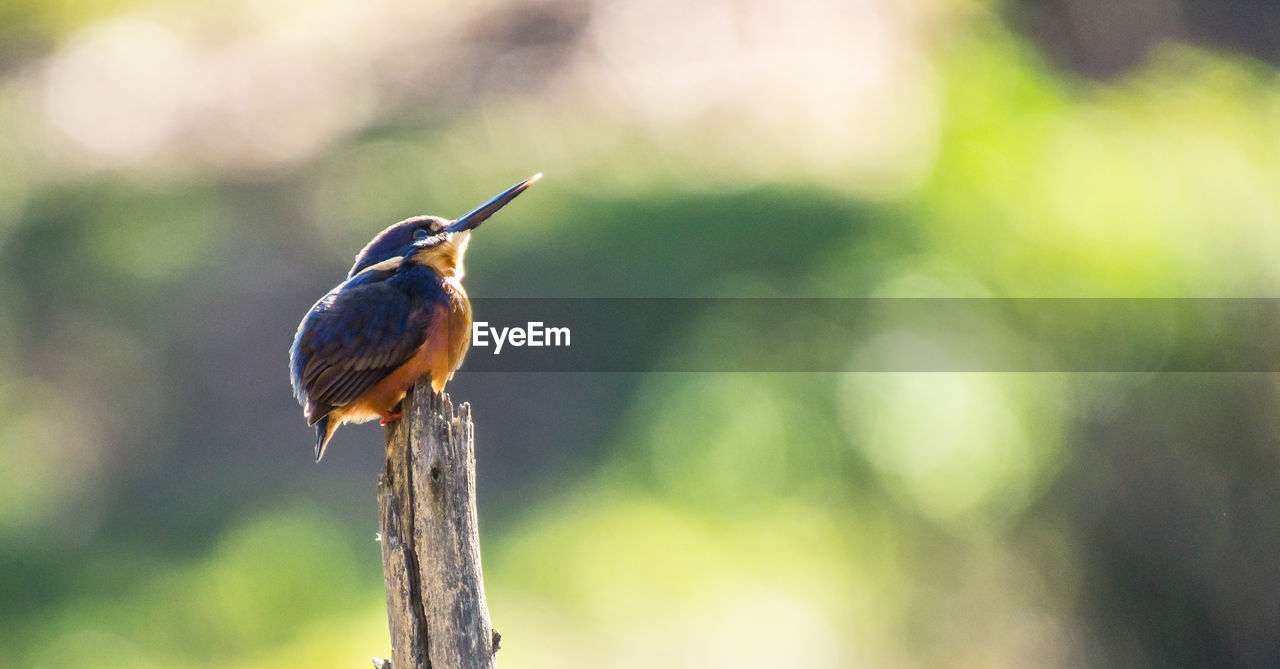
325,427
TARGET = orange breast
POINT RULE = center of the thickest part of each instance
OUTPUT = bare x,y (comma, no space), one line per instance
448,337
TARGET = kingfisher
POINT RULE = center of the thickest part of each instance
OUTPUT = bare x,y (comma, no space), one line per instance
401,315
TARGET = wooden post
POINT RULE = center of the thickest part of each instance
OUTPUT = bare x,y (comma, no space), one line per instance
430,545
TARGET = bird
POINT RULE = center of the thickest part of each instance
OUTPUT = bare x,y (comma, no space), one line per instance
401,315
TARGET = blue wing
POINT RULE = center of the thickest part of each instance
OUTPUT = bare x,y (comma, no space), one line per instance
353,337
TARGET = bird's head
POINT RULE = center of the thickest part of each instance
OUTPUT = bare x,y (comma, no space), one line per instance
431,240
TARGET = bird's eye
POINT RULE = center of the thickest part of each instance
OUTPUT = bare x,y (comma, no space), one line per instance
421,233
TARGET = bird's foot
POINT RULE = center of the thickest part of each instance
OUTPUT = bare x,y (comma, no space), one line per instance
389,417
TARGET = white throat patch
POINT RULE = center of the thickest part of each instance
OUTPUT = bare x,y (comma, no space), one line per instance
460,241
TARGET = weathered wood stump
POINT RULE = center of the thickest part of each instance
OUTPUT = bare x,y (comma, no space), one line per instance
430,544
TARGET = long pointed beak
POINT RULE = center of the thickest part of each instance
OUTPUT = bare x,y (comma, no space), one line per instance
477,216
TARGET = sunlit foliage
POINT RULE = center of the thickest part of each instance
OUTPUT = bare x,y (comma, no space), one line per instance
181,180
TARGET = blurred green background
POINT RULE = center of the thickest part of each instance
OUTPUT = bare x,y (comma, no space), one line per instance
180,181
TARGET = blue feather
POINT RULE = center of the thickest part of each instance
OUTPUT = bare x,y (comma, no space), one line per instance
359,333
322,436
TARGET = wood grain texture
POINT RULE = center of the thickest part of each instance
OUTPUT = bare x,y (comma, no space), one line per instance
436,607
